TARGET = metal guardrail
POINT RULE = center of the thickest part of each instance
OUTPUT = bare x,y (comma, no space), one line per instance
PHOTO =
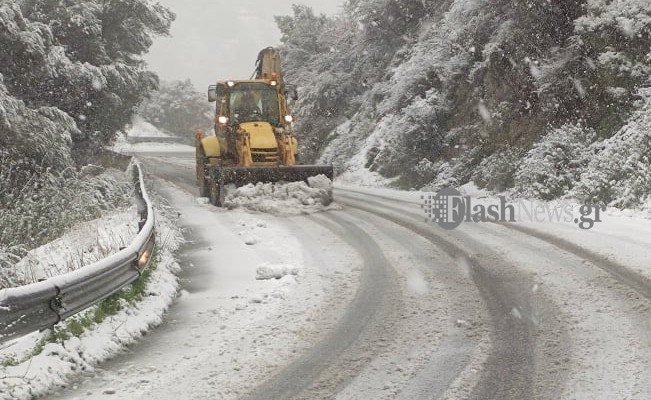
44,304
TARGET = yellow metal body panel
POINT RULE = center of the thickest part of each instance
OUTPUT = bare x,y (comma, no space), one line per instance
261,134
295,144
211,146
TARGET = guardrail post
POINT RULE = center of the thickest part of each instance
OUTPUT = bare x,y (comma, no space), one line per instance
56,304
141,204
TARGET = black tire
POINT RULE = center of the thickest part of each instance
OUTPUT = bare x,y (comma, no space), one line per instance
204,188
216,194
202,162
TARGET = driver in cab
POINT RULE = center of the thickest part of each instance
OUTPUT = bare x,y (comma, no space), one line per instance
247,108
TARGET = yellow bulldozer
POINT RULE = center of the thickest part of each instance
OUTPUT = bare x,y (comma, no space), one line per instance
254,140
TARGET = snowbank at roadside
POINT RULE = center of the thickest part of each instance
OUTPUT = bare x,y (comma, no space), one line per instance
292,198
24,375
122,146
87,243
143,137
142,128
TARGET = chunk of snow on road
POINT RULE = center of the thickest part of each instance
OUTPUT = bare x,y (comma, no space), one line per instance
516,313
485,113
416,283
251,240
320,182
275,271
462,323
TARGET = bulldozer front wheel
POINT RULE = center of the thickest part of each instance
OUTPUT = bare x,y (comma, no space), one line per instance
216,194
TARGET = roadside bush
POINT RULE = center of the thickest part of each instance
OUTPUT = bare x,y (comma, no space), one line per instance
554,164
496,171
619,173
48,204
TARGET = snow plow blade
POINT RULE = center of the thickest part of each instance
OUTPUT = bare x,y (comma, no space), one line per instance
241,176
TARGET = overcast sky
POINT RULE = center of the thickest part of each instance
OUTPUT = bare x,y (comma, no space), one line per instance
220,39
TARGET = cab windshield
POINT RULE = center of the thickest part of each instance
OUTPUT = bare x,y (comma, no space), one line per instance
253,102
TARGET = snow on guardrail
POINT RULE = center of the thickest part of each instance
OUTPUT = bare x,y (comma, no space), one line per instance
43,304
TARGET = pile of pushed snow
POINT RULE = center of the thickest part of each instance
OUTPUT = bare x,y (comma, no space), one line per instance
275,271
283,198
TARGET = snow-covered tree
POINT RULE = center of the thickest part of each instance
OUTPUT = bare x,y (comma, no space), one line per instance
316,53
178,108
41,192
71,76
83,58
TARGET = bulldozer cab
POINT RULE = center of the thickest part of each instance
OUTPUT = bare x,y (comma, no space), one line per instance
249,101
254,102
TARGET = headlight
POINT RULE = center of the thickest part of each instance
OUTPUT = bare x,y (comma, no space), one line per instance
289,119
230,84
223,120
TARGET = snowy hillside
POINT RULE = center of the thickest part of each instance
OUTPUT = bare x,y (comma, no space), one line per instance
534,96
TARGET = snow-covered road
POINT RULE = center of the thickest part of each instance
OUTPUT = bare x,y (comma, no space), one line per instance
378,304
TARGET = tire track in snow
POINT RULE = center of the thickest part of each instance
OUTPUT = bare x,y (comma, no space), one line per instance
447,358
631,278
358,336
608,323
510,365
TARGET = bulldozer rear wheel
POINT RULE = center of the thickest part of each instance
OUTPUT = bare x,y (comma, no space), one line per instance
204,187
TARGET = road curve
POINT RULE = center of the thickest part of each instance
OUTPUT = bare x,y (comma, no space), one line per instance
585,317
482,312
